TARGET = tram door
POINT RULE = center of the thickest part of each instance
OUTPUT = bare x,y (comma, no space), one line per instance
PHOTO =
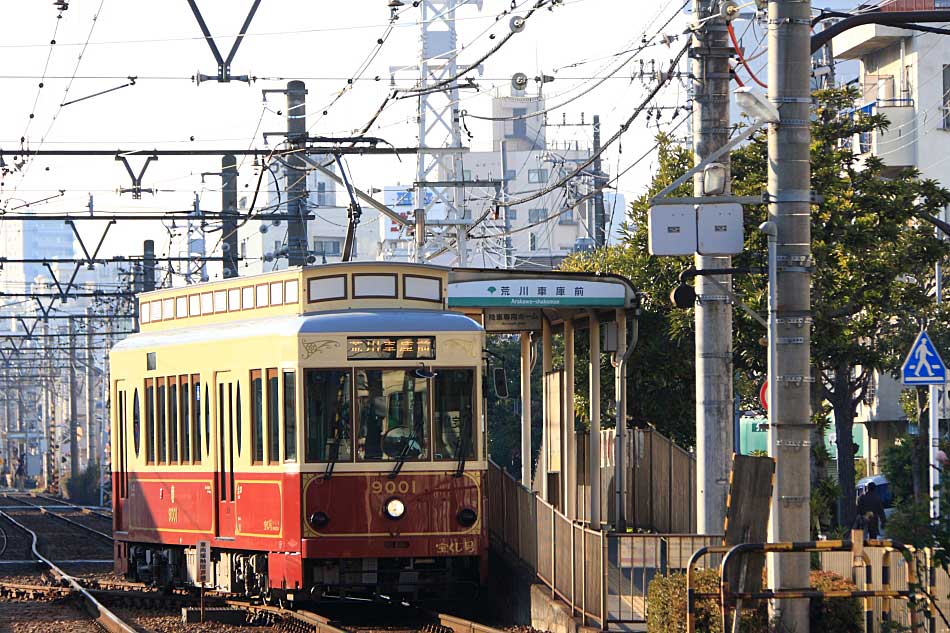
226,406
120,465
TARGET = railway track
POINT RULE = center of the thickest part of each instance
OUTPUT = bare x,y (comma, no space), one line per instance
102,616
79,517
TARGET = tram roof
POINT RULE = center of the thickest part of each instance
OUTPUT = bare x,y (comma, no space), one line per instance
384,321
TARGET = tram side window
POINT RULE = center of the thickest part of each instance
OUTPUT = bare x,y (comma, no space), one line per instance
149,421
185,420
172,420
328,415
393,415
257,416
273,417
160,419
196,417
207,421
290,417
454,414
136,423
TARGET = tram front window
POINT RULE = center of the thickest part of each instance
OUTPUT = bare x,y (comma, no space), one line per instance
392,410
328,415
454,411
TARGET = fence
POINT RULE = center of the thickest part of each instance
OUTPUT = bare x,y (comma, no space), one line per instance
661,483
603,577
840,563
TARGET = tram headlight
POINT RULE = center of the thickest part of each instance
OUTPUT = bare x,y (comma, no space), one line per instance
319,520
467,517
394,508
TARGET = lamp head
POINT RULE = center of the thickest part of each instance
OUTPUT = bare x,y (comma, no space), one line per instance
756,105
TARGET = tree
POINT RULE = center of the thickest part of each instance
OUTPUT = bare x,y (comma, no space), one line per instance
873,259
661,380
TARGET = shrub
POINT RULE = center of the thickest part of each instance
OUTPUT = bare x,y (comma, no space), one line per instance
667,606
84,489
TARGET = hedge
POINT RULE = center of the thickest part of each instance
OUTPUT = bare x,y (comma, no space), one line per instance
666,598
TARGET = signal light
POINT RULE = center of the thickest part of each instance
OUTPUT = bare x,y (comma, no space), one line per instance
319,520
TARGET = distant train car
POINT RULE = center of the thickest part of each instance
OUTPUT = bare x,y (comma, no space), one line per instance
323,428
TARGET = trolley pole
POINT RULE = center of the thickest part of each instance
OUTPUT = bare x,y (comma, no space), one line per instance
789,190
296,175
710,68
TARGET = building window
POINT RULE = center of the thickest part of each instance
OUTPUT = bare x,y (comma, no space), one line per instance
533,242
567,217
512,214
519,125
323,198
537,175
537,215
466,174
511,174
323,246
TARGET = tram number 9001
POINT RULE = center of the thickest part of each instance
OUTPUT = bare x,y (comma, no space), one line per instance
392,487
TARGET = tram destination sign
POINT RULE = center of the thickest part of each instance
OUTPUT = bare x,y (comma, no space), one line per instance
390,348
535,293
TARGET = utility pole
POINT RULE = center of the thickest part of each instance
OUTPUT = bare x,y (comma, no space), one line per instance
229,236
789,191
92,432
296,187
600,216
710,122
73,397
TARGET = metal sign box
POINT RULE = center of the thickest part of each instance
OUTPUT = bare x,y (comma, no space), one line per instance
672,230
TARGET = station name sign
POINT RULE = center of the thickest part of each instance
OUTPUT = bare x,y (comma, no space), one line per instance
535,293
390,348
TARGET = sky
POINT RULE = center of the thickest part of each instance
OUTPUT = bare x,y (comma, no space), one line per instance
99,44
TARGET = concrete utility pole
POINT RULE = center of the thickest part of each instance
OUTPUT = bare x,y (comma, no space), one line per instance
73,397
296,187
600,216
710,68
229,236
92,431
789,190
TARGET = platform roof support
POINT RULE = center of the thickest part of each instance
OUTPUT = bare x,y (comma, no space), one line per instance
569,450
526,409
546,363
593,462
621,362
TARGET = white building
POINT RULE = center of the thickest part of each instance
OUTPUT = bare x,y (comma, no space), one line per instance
904,75
540,233
263,243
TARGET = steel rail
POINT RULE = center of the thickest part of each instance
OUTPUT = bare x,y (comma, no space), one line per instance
47,512
103,616
64,502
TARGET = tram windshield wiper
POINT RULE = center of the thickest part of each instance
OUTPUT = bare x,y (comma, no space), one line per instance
460,447
403,454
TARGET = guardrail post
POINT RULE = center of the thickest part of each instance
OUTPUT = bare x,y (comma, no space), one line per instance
584,576
604,584
573,566
553,555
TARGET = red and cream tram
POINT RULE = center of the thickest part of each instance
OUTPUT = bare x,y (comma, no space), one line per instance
322,428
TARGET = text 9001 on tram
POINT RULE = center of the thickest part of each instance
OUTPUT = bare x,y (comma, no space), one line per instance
323,428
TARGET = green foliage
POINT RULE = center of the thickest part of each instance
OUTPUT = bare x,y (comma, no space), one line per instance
835,615
897,466
663,399
666,597
84,489
873,270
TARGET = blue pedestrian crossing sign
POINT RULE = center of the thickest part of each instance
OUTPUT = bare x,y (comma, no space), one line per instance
924,365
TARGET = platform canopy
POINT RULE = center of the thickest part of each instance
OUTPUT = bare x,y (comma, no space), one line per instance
512,300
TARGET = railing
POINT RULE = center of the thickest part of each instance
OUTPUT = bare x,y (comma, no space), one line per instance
602,576
898,579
